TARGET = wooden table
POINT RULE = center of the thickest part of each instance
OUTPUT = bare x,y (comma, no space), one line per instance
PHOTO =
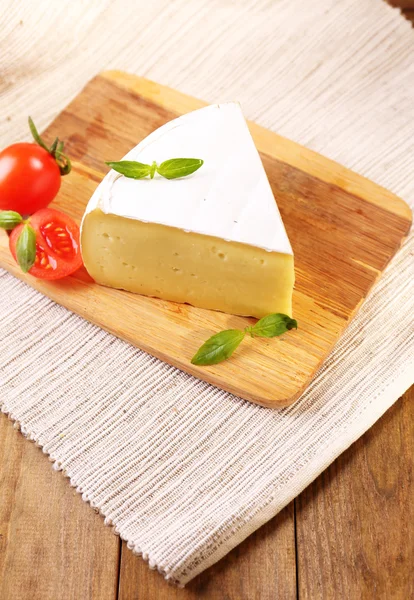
407,7
349,535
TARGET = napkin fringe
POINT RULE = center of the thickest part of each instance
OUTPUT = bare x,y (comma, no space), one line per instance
57,466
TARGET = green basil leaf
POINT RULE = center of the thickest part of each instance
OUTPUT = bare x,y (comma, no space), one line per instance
179,167
26,248
272,325
219,347
9,219
131,168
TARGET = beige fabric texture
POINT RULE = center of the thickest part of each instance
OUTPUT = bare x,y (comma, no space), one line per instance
184,471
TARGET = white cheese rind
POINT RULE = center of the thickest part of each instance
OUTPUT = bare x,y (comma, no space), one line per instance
229,197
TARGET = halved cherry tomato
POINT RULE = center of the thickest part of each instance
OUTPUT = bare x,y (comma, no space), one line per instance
57,244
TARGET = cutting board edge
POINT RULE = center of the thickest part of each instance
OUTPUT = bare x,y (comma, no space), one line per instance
49,290
298,157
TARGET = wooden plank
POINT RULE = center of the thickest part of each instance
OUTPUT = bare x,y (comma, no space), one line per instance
337,221
52,545
263,566
355,530
403,4
407,8
409,14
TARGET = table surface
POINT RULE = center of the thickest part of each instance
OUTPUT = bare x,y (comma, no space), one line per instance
348,535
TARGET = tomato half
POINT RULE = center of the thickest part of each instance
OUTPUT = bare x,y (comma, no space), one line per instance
57,244
29,178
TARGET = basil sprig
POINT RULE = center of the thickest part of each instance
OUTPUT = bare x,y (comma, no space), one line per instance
26,248
9,219
222,345
170,169
26,242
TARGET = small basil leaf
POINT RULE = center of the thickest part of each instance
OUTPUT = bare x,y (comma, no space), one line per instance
9,219
179,167
26,248
131,168
219,347
273,325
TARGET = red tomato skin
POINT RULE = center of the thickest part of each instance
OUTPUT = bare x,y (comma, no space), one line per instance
29,178
61,267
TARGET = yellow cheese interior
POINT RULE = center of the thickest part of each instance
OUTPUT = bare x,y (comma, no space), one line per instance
172,264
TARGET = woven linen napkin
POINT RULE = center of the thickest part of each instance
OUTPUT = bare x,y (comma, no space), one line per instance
182,470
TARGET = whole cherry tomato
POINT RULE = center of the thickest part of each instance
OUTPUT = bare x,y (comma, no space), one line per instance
29,178
30,174
57,244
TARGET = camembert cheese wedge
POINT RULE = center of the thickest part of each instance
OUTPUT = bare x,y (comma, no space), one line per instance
214,239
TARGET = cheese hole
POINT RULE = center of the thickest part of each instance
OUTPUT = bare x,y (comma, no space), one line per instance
262,262
193,275
125,264
176,254
176,270
222,255
105,235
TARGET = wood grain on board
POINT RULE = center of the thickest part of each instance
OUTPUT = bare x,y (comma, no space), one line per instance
343,228
52,545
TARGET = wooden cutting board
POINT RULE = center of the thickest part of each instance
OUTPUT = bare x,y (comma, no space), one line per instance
343,228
